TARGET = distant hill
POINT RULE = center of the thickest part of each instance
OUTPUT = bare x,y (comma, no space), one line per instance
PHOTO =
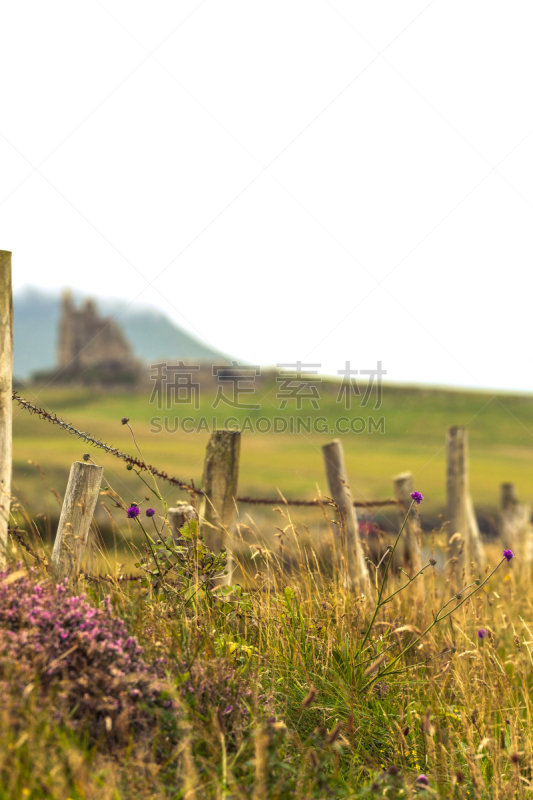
152,334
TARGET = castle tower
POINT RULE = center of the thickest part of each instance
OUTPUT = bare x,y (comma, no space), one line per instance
89,341
67,334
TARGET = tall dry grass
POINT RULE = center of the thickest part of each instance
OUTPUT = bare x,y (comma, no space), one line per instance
311,716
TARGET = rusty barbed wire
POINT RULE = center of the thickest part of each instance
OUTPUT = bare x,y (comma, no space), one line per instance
187,487
326,501
112,579
17,534
92,440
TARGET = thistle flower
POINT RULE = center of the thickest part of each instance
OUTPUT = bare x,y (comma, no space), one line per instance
150,512
422,780
133,511
508,554
482,633
417,497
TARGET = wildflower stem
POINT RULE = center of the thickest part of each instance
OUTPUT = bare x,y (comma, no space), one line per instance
437,619
138,472
387,599
466,588
150,545
416,664
157,492
380,593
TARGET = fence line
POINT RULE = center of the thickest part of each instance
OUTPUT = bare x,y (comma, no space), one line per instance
92,440
16,534
187,487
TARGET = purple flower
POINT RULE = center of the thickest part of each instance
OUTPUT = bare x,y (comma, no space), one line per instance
417,497
132,512
41,617
482,633
508,554
422,780
150,512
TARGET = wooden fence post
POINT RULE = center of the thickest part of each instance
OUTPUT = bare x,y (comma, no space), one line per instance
515,523
403,487
178,516
459,507
6,400
220,481
76,516
356,572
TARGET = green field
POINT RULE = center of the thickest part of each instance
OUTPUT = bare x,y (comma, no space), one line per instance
415,421
285,685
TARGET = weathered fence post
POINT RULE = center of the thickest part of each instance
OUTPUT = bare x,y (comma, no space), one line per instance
178,516
356,572
6,400
459,507
220,481
515,523
403,487
76,516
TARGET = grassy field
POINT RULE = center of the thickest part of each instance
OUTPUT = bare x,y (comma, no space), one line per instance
283,689
415,422
287,686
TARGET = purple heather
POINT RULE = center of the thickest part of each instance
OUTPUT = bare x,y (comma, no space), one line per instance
133,511
74,640
417,497
508,554
150,512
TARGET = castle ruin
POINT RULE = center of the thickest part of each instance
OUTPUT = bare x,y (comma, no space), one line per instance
92,345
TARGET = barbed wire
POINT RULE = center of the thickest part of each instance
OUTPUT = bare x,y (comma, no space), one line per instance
326,501
18,535
112,579
92,440
187,487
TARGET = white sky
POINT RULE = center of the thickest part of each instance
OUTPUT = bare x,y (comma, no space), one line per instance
319,181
